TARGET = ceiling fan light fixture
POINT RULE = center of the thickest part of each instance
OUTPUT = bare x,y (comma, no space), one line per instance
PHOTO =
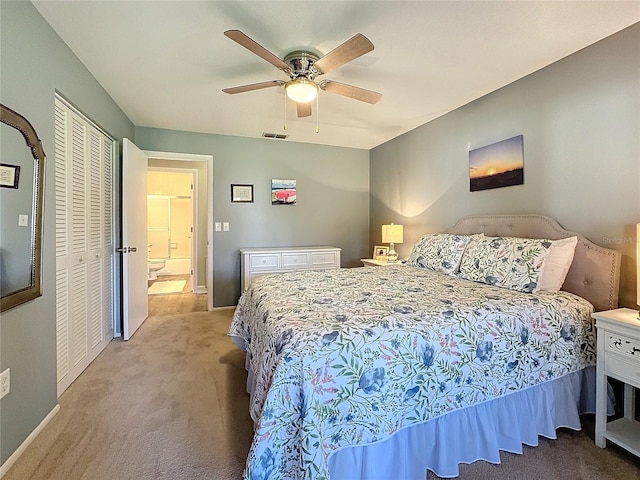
301,90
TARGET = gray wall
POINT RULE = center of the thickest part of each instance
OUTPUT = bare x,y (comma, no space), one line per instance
333,197
580,118
201,241
34,64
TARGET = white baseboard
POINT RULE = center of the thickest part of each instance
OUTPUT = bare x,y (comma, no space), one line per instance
23,446
201,289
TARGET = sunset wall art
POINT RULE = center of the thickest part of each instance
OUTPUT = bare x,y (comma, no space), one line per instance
497,165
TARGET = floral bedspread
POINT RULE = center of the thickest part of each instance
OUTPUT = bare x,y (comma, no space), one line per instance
349,357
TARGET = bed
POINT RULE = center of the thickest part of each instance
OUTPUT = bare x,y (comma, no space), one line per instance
387,372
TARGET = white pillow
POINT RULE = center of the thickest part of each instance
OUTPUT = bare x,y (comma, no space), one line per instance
556,264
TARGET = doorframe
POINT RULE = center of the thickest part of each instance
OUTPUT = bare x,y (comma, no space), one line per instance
195,226
192,157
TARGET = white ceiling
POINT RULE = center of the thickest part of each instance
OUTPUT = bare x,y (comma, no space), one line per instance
166,63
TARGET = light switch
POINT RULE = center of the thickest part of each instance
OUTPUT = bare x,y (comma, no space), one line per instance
218,227
225,226
23,220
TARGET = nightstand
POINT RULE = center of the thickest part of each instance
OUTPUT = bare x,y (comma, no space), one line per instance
618,357
369,262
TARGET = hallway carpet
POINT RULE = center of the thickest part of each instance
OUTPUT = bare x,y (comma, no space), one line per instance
171,404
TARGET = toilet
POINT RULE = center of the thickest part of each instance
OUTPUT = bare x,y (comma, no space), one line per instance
154,266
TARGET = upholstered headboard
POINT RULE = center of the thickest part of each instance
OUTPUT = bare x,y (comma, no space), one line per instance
595,272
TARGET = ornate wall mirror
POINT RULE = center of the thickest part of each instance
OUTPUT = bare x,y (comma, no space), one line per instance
21,177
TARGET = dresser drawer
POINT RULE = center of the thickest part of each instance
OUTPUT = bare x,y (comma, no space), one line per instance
267,262
320,259
622,369
626,347
295,260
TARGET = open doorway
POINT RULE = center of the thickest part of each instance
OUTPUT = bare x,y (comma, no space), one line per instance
133,267
178,232
172,227
172,231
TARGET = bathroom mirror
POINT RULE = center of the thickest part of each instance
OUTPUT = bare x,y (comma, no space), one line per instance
21,177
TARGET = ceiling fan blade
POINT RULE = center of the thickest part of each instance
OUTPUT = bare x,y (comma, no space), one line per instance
304,109
350,91
253,86
255,47
353,48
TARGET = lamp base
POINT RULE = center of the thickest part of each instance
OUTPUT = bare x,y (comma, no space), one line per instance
392,256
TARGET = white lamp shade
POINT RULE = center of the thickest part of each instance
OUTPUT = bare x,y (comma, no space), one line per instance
301,90
392,233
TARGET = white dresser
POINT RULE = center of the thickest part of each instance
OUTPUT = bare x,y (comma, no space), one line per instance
263,261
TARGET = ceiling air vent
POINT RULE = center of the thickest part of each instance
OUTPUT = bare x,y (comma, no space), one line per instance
279,136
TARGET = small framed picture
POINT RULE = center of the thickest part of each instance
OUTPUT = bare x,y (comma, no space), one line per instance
9,175
241,193
380,252
284,192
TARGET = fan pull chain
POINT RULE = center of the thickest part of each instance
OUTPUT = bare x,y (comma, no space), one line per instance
285,111
317,113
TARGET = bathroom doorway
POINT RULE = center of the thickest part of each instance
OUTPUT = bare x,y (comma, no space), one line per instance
172,198
171,218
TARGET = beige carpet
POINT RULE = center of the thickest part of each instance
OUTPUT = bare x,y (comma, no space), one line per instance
170,286
171,404
168,404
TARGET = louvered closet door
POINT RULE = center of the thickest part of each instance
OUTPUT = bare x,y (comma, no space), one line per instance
95,240
84,254
62,247
108,250
79,230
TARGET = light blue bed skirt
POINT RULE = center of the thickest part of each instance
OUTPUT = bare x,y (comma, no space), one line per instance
474,433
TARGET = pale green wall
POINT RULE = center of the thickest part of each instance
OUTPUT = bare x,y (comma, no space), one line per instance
333,197
580,118
33,65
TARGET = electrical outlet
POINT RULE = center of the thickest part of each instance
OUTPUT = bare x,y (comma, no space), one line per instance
225,226
5,382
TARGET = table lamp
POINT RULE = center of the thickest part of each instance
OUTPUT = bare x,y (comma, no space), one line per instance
392,234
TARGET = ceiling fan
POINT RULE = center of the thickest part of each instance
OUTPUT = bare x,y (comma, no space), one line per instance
303,67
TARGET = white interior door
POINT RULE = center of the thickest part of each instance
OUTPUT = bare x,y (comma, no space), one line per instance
134,238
